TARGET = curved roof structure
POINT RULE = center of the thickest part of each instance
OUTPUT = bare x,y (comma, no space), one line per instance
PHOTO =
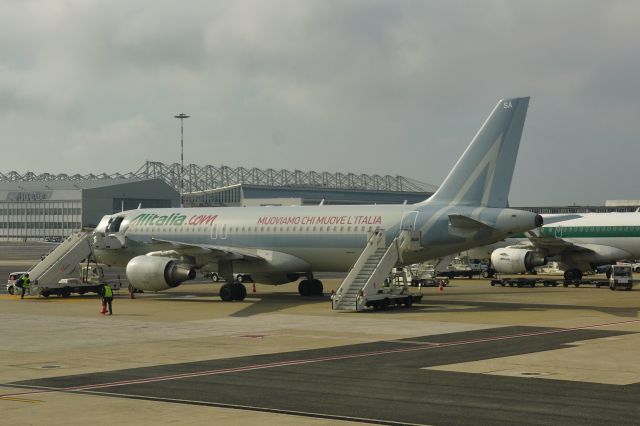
202,178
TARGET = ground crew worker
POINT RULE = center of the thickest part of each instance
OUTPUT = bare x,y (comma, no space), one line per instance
107,298
26,282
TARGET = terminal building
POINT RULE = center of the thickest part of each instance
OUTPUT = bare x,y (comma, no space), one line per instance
34,210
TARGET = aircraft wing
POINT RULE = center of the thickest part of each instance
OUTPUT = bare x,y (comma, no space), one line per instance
551,244
215,252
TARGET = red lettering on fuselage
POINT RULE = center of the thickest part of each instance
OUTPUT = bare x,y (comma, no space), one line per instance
202,219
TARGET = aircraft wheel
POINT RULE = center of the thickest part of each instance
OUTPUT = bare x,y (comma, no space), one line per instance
239,291
385,304
304,288
66,292
215,277
573,274
408,302
10,290
317,287
239,278
226,293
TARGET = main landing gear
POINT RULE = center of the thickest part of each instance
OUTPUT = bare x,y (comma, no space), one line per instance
310,287
233,291
573,274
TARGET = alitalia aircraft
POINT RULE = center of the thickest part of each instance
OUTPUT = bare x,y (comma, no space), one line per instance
579,244
162,248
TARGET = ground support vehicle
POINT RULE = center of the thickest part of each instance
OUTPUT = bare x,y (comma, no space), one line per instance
241,278
67,286
90,280
392,296
430,282
11,282
578,283
418,276
532,282
621,277
523,282
468,273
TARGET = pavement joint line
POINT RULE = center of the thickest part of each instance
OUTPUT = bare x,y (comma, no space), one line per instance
309,361
255,408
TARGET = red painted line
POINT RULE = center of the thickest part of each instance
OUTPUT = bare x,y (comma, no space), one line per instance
253,367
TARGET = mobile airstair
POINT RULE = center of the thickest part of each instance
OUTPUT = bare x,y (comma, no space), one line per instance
368,285
60,263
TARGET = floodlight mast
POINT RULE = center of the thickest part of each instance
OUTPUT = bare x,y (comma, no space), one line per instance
181,116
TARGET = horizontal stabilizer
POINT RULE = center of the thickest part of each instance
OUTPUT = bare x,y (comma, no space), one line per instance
466,222
560,218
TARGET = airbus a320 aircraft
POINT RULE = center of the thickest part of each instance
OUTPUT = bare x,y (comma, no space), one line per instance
162,248
579,244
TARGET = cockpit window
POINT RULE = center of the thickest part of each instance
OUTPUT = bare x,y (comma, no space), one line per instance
114,224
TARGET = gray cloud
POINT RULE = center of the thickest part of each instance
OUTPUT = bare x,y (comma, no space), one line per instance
394,87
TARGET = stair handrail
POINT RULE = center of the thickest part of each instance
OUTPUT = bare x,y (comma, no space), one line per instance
79,237
373,243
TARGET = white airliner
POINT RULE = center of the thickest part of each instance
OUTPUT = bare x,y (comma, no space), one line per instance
162,248
578,244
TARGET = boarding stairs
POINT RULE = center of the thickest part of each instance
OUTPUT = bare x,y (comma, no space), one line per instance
61,262
367,278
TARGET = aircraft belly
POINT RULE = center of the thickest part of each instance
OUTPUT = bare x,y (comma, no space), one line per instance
119,257
332,260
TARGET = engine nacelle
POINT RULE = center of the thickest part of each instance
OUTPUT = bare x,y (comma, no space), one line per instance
154,273
513,260
513,221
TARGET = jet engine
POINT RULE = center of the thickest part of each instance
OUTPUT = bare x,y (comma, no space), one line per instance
157,273
513,260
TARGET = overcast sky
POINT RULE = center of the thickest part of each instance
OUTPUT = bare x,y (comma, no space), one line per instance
388,87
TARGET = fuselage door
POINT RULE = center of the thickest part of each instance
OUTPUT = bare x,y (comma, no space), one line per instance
558,230
218,230
409,220
408,223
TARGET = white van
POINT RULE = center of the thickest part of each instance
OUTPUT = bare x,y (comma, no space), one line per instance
11,281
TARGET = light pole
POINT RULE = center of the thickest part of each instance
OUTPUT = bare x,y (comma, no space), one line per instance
181,116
